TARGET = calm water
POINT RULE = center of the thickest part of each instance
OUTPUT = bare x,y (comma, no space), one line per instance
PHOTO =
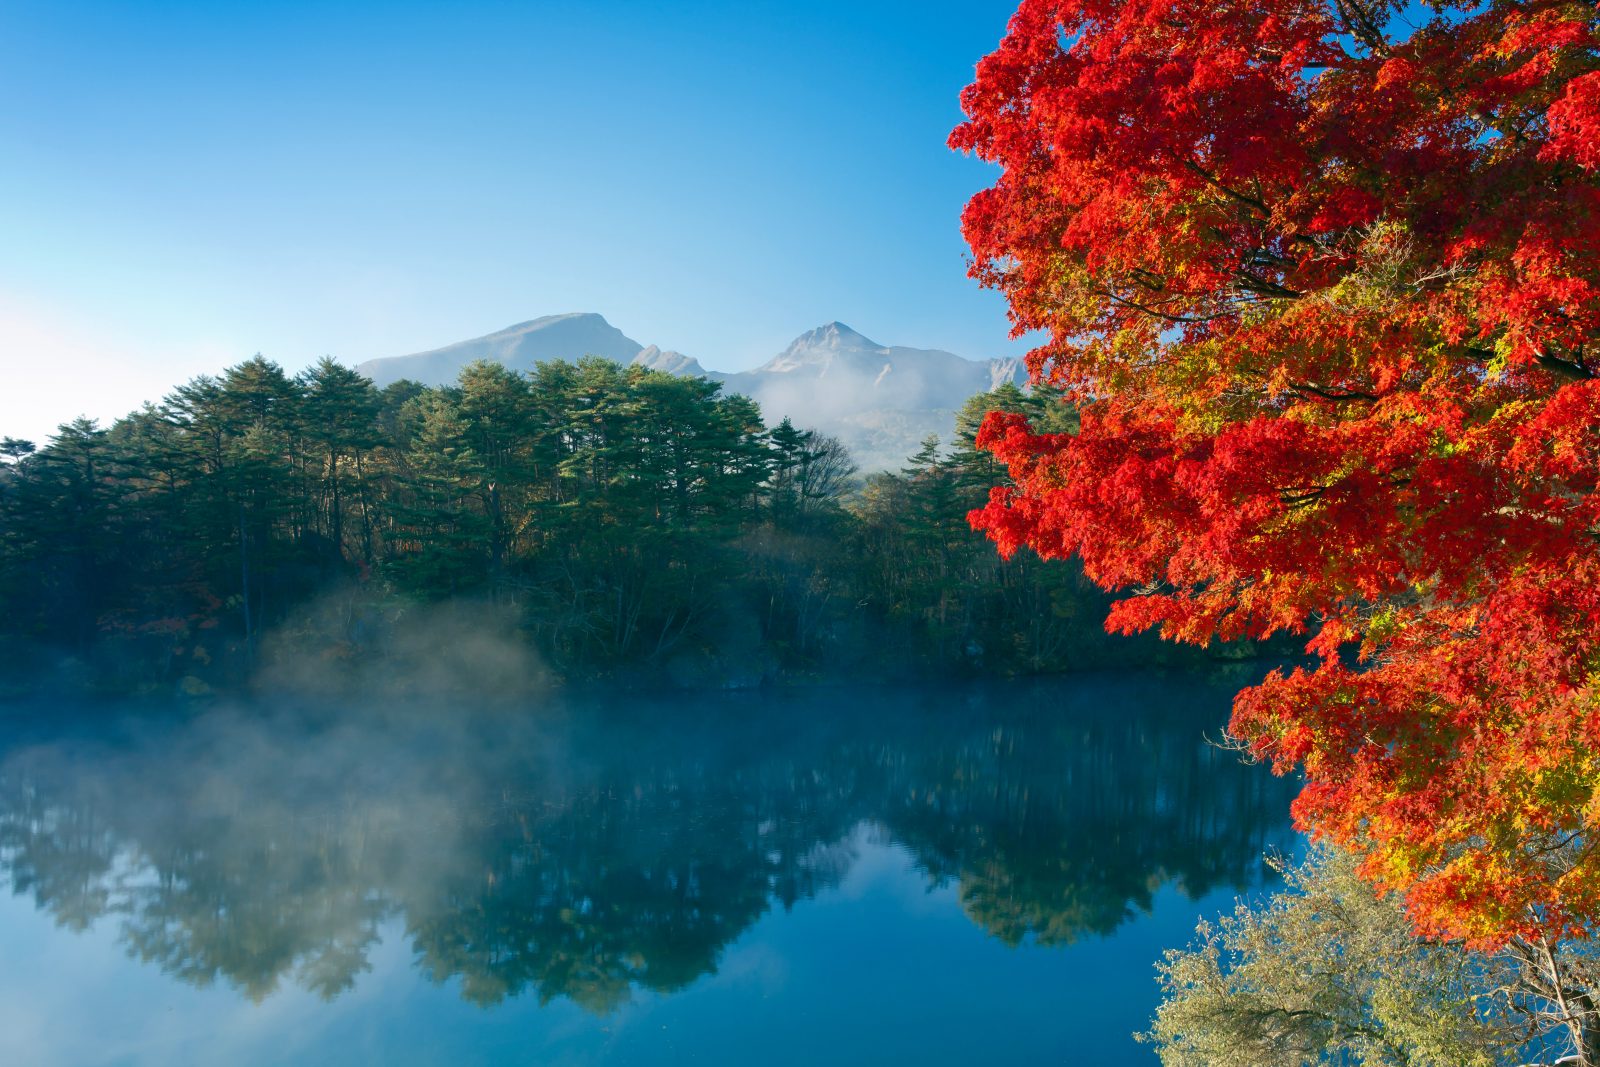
967,874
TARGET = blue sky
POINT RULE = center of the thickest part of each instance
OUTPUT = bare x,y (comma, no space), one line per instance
185,184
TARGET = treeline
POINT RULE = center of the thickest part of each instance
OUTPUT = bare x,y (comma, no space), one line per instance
621,522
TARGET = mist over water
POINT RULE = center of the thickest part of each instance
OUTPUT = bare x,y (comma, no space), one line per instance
357,655
582,863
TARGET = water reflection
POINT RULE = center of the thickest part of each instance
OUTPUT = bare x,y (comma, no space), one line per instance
583,849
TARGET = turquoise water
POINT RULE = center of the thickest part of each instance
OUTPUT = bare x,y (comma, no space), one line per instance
946,875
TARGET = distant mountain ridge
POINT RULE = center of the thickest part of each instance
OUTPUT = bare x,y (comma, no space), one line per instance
881,400
520,347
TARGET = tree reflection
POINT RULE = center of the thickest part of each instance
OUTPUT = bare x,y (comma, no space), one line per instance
587,852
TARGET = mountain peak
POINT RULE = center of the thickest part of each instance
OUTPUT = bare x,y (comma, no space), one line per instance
594,317
652,357
833,335
827,345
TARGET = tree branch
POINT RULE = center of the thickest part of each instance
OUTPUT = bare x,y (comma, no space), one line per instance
1233,194
1336,395
1571,369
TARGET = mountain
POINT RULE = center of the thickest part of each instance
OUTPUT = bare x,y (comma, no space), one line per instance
519,347
670,362
834,370
881,400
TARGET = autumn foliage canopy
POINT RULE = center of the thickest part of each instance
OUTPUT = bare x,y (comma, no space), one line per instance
1324,280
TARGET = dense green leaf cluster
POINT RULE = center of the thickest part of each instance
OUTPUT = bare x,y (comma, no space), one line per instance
620,521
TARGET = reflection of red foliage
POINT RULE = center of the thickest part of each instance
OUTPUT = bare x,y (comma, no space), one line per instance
1330,309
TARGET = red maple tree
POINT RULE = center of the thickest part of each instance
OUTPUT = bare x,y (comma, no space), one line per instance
1324,280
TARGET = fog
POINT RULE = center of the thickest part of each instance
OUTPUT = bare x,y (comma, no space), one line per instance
348,646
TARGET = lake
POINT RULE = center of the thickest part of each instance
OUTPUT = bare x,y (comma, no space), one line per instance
941,875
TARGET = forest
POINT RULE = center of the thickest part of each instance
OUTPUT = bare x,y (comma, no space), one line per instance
616,523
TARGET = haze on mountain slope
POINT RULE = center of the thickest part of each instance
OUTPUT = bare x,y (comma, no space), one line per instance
880,400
